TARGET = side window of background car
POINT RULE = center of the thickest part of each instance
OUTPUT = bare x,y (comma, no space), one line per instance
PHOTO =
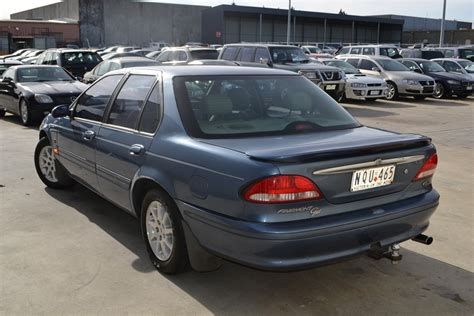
152,112
246,54
368,51
91,105
128,104
261,53
182,56
452,66
114,66
449,53
367,64
354,62
390,52
164,56
102,68
230,53
355,50
9,73
54,59
344,50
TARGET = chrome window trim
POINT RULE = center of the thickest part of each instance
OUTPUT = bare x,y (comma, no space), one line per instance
375,163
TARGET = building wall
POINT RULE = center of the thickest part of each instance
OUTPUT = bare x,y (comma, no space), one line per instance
65,9
452,37
413,23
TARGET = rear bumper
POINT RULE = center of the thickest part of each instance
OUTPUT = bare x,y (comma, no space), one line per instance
309,243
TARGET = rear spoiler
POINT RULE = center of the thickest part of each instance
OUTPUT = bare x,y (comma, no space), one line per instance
343,152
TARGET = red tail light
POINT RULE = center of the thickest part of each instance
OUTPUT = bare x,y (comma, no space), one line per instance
428,168
279,189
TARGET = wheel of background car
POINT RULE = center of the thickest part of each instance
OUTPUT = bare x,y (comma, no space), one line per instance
2,113
50,171
439,90
25,114
392,91
163,233
341,97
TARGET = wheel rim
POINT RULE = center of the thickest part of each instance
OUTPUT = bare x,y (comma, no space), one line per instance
24,112
391,91
159,230
47,163
439,90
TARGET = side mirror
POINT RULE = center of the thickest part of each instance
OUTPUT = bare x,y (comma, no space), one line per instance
375,69
265,61
60,111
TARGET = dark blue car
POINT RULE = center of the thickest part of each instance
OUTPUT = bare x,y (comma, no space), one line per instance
257,166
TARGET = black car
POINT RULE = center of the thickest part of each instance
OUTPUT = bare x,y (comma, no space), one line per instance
447,83
32,91
76,61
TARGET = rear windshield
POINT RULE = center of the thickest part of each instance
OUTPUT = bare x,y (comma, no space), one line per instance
76,58
237,106
204,54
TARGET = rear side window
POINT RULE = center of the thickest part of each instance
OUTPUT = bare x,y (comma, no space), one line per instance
230,53
127,106
356,50
91,105
152,112
368,51
232,106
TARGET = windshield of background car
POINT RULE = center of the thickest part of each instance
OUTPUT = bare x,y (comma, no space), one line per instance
430,66
204,54
75,58
390,52
238,106
281,55
343,65
467,65
466,53
39,74
391,65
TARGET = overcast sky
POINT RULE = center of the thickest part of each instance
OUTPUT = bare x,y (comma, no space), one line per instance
462,10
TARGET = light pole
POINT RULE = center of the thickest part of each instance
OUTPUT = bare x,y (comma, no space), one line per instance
289,24
441,35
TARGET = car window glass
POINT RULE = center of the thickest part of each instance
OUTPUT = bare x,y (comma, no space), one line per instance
164,56
247,54
367,64
261,53
344,50
448,53
390,52
452,66
103,68
353,61
127,106
355,50
368,51
229,53
8,74
182,56
410,65
91,105
152,112
54,59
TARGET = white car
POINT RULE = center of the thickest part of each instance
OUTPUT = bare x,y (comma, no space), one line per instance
358,85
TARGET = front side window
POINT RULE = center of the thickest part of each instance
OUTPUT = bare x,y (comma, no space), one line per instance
430,66
92,103
247,54
344,50
127,106
410,65
452,66
282,55
261,54
164,56
232,106
467,65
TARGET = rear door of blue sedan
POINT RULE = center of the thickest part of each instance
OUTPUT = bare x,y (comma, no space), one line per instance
125,136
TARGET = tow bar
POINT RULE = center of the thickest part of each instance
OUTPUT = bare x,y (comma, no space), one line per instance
392,252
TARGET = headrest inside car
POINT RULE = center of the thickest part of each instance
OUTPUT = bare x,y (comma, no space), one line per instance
299,101
218,105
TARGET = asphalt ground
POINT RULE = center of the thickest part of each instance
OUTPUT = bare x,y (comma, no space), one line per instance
71,252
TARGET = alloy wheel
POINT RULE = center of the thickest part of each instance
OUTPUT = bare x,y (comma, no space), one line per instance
439,91
159,230
24,112
391,91
47,164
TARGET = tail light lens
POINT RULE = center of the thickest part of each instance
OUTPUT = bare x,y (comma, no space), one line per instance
279,189
428,168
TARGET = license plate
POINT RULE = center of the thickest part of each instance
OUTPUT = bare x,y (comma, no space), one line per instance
370,178
374,92
331,87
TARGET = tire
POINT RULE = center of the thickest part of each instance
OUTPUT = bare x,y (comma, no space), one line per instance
159,231
25,114
341,97
419,97
392,91
57,177
440,91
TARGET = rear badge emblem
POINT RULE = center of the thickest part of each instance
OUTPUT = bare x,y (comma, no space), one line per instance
313,210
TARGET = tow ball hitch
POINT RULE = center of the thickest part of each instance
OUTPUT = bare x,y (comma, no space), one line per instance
391,252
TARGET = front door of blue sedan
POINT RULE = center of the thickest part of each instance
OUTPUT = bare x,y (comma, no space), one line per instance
126,135
76,137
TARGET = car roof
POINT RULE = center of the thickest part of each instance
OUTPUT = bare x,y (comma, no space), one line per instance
373,45
451,59
69,50
130,59
260,45
372,57
206,70
35,66
414,59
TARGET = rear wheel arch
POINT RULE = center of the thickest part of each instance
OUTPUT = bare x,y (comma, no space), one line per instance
43,134
139,190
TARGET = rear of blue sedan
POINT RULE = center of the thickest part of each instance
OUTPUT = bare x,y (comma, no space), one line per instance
253,165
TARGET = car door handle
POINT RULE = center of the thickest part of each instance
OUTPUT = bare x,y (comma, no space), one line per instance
88,135
136,149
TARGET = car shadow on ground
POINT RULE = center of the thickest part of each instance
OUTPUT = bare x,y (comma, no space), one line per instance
419,284
379,103
365,112
14,119
439,102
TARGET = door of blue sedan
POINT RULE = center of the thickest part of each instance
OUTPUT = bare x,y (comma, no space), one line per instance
76,136
126,135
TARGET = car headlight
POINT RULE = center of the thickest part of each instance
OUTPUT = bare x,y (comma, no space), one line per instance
309,75
411,82
43,98
358,85
453,82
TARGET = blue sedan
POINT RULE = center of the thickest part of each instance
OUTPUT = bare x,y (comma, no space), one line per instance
257,166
